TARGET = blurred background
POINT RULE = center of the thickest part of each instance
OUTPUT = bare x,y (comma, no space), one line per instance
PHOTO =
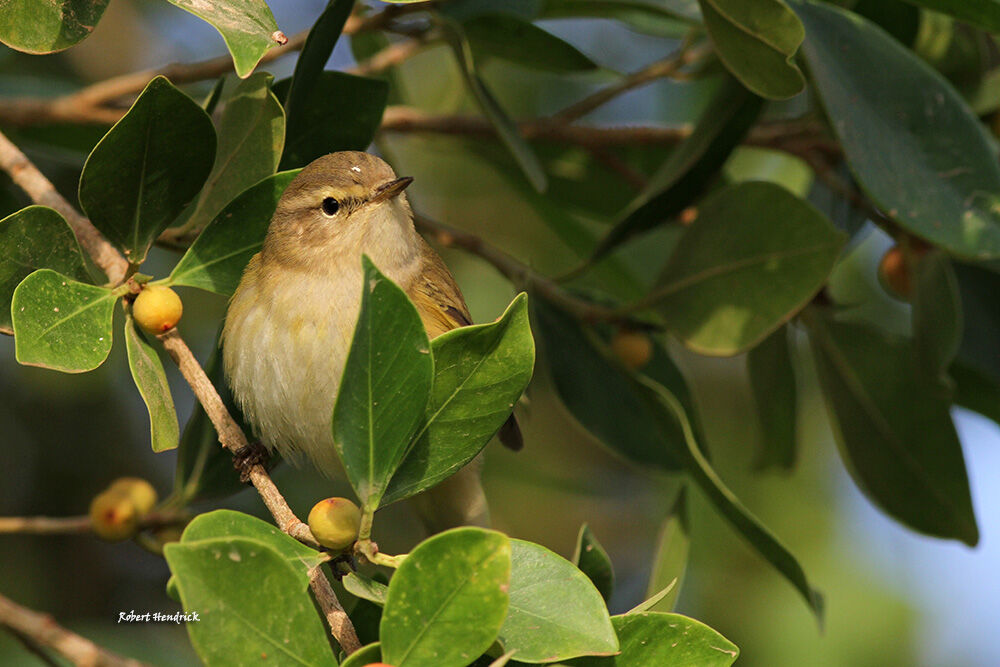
892,597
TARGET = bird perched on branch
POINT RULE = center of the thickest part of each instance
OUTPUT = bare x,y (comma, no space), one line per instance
291,320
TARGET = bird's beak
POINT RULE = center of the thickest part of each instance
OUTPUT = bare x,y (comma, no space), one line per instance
390,189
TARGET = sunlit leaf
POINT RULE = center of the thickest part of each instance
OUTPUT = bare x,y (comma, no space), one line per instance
44,26
151,381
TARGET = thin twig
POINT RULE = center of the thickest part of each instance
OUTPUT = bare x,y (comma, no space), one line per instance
44,525
42,629
41,191
336,617
33,647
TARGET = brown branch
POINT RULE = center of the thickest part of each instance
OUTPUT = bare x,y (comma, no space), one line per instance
43,525
41,191
43,630
340,623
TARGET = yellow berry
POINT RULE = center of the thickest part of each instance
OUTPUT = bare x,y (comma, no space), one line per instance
141,493
633,348
157,309
895,274
113,516
335,522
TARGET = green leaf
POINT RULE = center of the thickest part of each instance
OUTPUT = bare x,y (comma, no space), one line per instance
691,167
978,288
247,27
772,381
937,317
315,53
522,42
555,611
365,588
151,381
251,602
34,238
665,640
480,372
251,136
668,18
364,656
757,40
147,168
340,112
670,561
585,373
506,128
60,323
591,558
665,405
447,600
385,387
204,467
215,261
982,13
942,186
976,391
43,26
756,255
219,524
893,428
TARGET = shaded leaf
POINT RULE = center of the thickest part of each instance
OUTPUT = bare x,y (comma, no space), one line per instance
480,372
447,599
315,53
772,381
755,256
982,13
591,558
151,381
669,18
34,238
555,611
216,259
60,323
670,561
147,168
46,26
941,186
893,429
974,390
522,42
937,317
757,40
364,656
247,27
385,387
365,588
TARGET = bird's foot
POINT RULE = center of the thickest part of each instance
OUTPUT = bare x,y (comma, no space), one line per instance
248,457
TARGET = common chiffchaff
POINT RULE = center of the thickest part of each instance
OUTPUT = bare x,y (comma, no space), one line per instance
290,323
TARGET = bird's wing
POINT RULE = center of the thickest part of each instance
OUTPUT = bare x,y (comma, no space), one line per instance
437,297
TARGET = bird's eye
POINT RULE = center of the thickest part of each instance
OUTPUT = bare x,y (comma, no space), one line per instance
330,206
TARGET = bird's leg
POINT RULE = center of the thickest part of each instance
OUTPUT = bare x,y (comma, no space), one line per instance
247,457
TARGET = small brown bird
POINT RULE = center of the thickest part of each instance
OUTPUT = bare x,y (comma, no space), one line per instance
291,320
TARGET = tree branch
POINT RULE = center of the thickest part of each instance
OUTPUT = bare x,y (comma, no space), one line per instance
43,630
43,525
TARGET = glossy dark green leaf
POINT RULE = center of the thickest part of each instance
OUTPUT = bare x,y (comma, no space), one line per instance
44,26
251,136
252,604
775,395
385,387
506,128
480,372
978,288
220,524
586,374
215,261
757,41
34,238
671,556
516,40
691,168
591,558
556,612
315,53
365,588
937,317
447,600
755,256
982,13
941,186
151,381
247,27
60,323
340,112
893,428
667,18
668,408
665,640
364,656
147,168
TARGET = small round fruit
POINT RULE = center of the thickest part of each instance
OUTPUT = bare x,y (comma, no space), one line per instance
894,274
139,491
335,522
633,348
113,516
157,309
